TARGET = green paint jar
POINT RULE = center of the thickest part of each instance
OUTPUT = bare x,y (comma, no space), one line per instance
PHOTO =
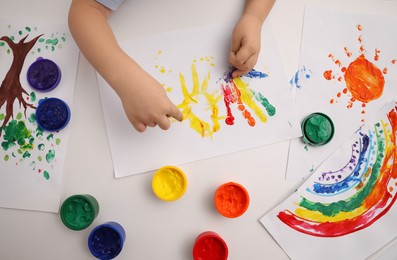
79,211
318,129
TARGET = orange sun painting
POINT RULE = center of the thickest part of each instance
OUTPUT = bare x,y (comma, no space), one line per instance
364,80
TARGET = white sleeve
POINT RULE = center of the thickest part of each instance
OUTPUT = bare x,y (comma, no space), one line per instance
111,4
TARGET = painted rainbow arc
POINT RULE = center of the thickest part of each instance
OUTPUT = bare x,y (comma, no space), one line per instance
359,193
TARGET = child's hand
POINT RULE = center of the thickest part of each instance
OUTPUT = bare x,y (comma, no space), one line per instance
246,43
146,103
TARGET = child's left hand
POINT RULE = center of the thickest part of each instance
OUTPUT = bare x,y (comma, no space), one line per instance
246,44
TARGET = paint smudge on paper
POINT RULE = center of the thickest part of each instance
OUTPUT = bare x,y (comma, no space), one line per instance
364,81
355,196
236,91
300,77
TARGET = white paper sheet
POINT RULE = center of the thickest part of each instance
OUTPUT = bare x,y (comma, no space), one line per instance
332,43
201,52
31,161
346,209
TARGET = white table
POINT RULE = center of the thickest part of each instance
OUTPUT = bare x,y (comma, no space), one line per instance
156,229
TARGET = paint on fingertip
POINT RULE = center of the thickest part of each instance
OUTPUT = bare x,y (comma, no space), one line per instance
52,114
210,246
43,75
169,183
318,129
231,200
79,211
107,240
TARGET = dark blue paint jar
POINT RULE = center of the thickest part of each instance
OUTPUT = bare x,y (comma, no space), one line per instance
52,114
106,241
43,75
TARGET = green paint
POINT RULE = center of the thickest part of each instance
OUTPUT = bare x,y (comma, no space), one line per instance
15,131
2,116
41,147
357,199
306,149
50,137
2,44
57,141
63,39
38,50
33,165
50,156
52,41
19,116
12,38
33,96
6,157
318,129
41,40
39,132
27,29
20,32
32,118
39,158
46,175
79,211
8,51
271,110
26,155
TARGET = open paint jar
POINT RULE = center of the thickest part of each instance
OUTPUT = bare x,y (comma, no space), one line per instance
169,183
43,75
52,114
318,129
106,241
231,199
210,246
79,211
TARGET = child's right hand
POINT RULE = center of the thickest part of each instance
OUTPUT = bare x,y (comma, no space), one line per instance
145,101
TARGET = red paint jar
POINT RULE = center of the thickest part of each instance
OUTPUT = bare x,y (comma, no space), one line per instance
210,246
231,200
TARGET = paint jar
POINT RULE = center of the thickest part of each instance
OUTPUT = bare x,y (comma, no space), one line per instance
106,241
318,129
43,75
231,200
52,114
79,211
210,246
169,183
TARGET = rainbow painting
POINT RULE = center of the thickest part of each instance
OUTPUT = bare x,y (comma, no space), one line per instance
351,196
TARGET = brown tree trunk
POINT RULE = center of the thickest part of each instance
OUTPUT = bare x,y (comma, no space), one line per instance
11,88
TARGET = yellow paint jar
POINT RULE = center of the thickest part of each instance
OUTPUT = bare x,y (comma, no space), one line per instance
169,183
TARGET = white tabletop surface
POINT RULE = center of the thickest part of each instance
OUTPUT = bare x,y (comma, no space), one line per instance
156,229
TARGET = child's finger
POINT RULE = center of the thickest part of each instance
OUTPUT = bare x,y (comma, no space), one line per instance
140,127
164,123
176,113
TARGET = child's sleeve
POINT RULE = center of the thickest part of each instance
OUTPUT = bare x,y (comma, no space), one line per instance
111,4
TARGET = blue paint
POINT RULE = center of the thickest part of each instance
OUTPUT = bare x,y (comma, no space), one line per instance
300,77
254,74
355,177
106,241
52,114
43,75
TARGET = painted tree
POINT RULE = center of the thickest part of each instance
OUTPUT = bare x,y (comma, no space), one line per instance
11,88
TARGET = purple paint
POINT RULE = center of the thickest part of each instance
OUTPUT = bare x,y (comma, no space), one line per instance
106,241
52,114
43,75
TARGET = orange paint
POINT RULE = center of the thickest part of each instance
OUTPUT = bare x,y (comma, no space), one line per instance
359,27
348,53
364,80
376,57
328,74
384,71
231,200
394,61
332,101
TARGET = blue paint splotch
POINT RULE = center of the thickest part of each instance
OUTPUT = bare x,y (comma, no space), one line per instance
300,77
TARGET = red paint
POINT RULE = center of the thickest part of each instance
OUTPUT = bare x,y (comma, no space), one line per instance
328,74
394,61
348,53
231,200
210,246
359,27
384,71
332,101
376,57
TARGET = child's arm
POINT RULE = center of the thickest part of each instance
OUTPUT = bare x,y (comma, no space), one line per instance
246,37
144,100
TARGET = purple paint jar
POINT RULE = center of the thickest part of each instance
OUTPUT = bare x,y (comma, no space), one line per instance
43,75
52,114
106,241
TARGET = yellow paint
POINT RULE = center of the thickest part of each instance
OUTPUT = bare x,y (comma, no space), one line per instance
190,98
248,98
319,217
169,183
